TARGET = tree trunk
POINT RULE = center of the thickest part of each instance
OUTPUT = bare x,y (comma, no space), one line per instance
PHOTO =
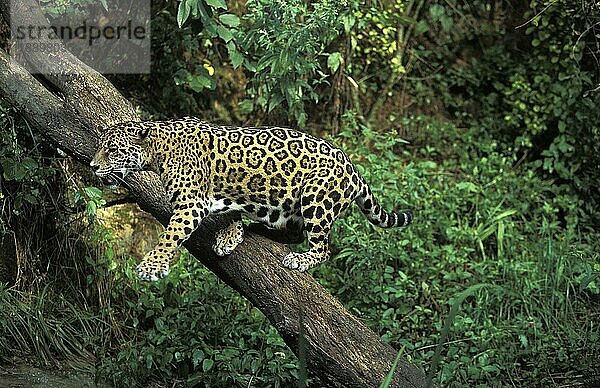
70,110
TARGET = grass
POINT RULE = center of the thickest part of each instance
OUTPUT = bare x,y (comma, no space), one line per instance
46,326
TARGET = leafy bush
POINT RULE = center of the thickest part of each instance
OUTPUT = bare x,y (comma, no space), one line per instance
287,41
539,102
31,187
477,221
190,328
24,175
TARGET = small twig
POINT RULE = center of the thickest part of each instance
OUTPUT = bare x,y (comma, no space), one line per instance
536,15
521,159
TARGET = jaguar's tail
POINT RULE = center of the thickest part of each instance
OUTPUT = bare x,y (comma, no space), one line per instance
372,209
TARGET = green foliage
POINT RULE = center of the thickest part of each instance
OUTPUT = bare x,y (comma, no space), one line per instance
374,38
541,101
280,45
477,221
185,72
191,328
552,96
215,24
286,41
91,198
184,66
25,177
455,305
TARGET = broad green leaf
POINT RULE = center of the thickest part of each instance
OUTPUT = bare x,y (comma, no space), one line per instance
333,61
207,364
216,4
18,172
348,21
197,357
29,163
446,22
90,209
183,12
436,11
224,33
93,192
421,27
246,106
211,28
200,82
230,20
236,57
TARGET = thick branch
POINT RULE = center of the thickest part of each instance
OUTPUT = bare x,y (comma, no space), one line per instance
42,108
85,91
341,351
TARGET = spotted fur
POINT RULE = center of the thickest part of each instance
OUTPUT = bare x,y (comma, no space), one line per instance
280,177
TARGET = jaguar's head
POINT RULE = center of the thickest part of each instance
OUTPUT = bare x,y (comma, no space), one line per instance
121,150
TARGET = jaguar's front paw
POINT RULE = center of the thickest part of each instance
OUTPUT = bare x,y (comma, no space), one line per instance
301,261
225,247
228,239
222,250
152,270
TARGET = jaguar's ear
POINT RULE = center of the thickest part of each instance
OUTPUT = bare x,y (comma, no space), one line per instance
143,132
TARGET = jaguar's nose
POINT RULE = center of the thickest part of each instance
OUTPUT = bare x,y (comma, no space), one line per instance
94,166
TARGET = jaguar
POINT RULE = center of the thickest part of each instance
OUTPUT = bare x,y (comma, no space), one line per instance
282,178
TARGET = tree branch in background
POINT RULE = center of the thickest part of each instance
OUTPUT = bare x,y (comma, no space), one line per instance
403,36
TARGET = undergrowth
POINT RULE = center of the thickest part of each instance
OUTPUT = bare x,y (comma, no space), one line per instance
480,224
479,220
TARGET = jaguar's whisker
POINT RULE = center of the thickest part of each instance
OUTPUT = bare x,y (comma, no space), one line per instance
116,177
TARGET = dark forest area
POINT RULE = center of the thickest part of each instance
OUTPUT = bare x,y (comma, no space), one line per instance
481,116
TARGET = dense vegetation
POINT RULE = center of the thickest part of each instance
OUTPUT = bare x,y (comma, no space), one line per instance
481,116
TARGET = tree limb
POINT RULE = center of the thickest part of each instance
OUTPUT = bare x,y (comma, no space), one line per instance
85,91
340,350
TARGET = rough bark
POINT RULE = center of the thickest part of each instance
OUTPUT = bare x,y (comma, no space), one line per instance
340,350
